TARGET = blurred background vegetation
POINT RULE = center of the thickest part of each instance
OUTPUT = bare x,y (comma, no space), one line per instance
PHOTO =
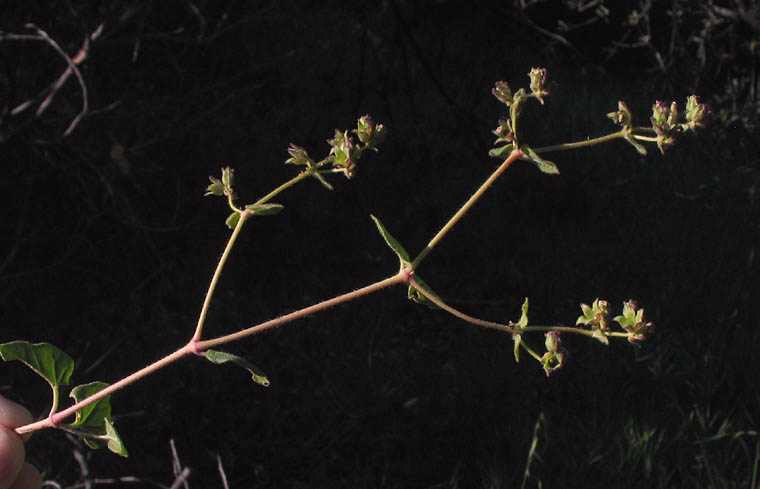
108,244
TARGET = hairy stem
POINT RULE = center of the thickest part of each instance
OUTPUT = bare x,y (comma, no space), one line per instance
530,351
601,139
472,320
321,306
466,207
54,419
304,174
570,329
581,144
217,273
197,347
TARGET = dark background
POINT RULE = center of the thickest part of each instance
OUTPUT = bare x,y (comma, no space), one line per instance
109,258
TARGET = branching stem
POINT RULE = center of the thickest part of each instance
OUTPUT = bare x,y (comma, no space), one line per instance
197,347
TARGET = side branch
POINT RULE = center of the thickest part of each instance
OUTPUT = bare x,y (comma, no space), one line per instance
454,312
466,207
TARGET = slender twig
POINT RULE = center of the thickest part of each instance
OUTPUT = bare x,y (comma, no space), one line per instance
472,320
400,277
463,210
217,273
53,89
581,144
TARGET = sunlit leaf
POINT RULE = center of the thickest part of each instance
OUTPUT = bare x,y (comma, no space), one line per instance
639,147
232,220
49,361
545,166
115,444
93,422
393,243
220,357
91,416
110,439
501,151
264,209
518,340
599,335
523,322
420,296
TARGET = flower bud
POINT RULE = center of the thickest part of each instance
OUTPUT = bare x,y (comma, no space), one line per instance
369,133
538,83
552,341
632,320
673,116
695,113
298,156
502,92
553,361
659,115
227,177
596,315
503,132
216,187
622,116
343,153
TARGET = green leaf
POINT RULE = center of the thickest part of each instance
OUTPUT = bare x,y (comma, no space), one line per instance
114,440
519,326
93,422
518,340
232,220
599,335
545,166
50,362
419,296
523,322
264,209
110,439
639,147
501,151
91,416
216,187
227,177
403,256
322,180
220,357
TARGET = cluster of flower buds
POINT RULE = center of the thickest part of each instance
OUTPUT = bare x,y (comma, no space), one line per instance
503,93
344,152
298,156
538,88
665,121
505,132
596,315
538,83
369,133
632,320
